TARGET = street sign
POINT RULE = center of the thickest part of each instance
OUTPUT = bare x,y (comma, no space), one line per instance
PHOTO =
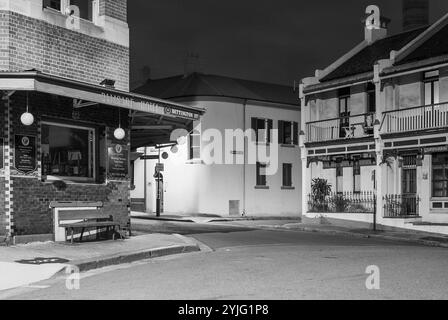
156,157
160,167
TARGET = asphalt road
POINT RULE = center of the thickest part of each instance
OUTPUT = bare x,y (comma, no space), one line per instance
261,264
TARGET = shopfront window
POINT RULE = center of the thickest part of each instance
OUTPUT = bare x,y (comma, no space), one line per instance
440,175
68,152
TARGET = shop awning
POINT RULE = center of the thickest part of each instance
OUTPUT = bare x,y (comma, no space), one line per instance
152,119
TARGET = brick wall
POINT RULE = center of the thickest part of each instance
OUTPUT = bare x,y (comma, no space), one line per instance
114,8
32,196
2,207
27,43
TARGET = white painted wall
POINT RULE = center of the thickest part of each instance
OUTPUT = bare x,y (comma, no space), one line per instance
193,187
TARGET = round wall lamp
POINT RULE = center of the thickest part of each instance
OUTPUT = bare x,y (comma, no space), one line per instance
27,118
119,133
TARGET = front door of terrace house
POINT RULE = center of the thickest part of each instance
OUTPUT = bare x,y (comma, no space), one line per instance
409,186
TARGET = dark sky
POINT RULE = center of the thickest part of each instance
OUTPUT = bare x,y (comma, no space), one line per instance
276,41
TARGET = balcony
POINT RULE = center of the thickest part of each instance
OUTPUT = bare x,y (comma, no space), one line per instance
415,119
346,127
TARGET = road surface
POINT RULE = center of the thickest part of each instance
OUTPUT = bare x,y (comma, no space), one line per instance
261,264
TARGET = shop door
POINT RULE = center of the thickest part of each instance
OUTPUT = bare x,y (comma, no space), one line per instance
409,186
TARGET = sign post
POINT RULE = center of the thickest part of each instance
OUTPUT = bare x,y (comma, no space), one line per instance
158,188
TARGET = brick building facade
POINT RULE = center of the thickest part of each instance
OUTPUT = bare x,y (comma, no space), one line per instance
56,72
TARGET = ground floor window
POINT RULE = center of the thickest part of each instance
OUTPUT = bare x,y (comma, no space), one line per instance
68,152
356,177
440,175
339,178
287,175
261,175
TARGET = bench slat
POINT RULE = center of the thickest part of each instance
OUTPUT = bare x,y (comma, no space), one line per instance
90,224
81,214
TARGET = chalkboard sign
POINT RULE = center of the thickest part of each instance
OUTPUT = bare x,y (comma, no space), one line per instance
25,157
2,154
118,162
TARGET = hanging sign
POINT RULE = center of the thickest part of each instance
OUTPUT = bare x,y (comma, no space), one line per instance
118,162
25,157
436,149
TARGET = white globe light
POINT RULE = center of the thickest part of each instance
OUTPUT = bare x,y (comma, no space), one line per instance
119,134
174,149
27,119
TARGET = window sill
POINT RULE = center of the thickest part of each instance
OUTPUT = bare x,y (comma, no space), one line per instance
56,12
288,188
67,180
262,187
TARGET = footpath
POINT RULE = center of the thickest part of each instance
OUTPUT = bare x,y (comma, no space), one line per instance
23,265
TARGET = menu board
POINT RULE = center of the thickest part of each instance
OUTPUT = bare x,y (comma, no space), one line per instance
25,157
118,162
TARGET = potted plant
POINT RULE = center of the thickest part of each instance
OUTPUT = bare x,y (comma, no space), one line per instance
320,190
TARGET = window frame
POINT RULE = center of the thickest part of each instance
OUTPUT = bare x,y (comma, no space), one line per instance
444,168
371,98
431,78
356,174
261,180
287,173
268,126
191,146
339,178
294,132
93,147
66,3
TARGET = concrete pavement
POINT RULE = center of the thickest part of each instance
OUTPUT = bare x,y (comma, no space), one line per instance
86,256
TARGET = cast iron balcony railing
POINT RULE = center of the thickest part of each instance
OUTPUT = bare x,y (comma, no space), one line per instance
401,206
345,127
414,119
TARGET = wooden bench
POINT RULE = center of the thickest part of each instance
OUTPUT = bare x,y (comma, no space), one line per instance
83,219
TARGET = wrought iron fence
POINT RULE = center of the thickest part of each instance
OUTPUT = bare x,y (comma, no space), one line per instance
401,206
345,202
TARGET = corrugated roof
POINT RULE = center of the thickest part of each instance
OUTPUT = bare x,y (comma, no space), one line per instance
364,60
198,84
435,46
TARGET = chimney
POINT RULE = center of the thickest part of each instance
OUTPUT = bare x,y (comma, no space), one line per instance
375,25
191,64
415,14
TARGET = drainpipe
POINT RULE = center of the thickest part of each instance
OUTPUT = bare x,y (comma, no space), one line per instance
245,159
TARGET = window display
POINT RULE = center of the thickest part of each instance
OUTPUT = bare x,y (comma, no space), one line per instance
68,151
